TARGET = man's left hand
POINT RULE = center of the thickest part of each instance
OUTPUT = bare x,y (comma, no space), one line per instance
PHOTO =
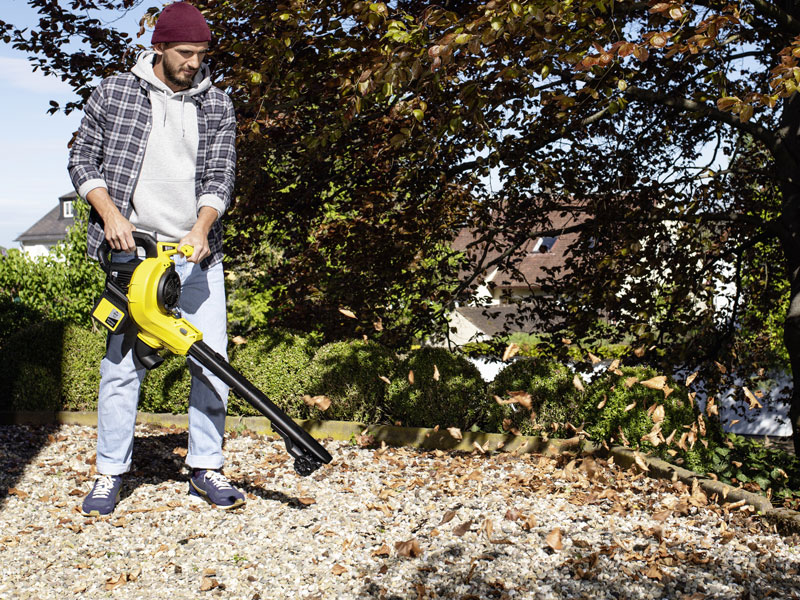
199,241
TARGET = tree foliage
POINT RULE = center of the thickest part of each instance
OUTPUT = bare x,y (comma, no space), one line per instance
368,131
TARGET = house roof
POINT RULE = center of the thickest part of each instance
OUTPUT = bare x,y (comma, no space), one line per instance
534,263
52,226
500,318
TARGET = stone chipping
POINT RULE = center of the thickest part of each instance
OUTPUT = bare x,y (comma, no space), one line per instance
376,523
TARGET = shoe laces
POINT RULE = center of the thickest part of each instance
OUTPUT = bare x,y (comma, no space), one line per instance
103,486
219,480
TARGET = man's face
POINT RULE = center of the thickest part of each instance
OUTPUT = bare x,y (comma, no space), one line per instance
181,61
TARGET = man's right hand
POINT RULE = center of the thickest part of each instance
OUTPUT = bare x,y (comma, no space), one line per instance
117,229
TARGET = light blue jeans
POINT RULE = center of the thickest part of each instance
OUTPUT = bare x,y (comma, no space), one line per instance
202,303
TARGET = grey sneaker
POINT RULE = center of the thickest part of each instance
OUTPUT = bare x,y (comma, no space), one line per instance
103,497
214,487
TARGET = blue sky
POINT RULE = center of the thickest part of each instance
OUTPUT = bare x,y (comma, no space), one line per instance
33,144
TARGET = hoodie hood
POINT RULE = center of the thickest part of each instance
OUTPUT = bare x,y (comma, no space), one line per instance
143,69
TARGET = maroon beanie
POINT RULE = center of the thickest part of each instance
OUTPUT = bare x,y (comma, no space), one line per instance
181,22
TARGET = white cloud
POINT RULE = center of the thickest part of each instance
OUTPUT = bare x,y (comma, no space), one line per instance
17,74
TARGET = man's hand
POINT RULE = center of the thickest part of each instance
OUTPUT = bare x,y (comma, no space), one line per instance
117,229
198,236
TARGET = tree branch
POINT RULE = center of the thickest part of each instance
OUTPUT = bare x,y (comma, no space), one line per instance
685,104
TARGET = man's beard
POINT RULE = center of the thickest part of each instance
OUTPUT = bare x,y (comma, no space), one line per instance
176,77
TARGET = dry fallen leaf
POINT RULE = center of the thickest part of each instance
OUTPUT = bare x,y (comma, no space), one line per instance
630,406
208,583
382,551
338,569
640,461
436,375
409,549
656,383
576,381
691,378
510,351
721,367
463,528
639,352
115,582
754,403
455,432
347,313
448,516
522,398
306,501
629,381
411,377
378,325
711,408
593,359
658,414
384,379
554,539
321,402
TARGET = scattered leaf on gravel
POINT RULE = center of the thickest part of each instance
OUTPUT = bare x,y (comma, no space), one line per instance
338,569
554,540
409,549
463,528
455,432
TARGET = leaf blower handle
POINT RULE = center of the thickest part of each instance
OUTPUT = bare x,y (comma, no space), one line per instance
187,250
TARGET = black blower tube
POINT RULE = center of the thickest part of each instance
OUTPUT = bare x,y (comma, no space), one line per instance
309,454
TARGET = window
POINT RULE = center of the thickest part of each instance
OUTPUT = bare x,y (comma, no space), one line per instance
543,245
66,209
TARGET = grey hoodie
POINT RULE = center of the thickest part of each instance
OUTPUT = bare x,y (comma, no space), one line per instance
164,200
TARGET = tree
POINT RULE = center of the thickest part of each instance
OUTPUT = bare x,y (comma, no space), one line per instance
367,132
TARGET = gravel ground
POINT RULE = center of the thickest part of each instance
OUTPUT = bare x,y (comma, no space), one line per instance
376,523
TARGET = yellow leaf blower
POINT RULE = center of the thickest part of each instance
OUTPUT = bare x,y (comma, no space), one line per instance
144,293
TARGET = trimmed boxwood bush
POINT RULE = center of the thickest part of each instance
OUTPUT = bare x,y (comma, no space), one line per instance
51,365
277,362
349,373
457,399
554,398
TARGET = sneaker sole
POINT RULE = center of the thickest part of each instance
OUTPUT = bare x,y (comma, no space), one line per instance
198,494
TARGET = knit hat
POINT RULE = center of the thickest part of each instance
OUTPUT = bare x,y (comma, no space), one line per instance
181,22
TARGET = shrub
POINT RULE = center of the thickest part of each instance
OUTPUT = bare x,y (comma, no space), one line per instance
51,365
554,398
349,372
456,399
277,362
165,389
620,403
62,285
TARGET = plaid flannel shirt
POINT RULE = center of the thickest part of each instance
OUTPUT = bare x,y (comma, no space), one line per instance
111,142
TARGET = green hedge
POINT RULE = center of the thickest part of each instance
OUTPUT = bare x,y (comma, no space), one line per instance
51,366
456,399
277,362
554,397
349,373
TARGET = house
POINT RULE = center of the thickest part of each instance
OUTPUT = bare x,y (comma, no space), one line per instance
502,293
50,229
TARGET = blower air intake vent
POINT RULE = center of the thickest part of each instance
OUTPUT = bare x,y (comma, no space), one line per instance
169,290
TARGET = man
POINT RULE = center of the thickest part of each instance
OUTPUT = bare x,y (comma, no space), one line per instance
155,151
